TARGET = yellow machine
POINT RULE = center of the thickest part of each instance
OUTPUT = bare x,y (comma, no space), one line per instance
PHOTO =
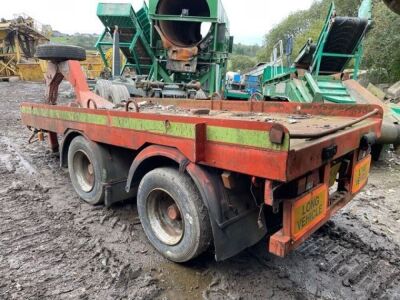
93,66
19,38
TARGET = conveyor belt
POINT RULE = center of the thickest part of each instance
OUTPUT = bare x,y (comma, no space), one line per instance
126,36
344,36
305,59
130,24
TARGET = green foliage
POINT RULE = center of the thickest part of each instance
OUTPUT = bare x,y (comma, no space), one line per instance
86,41
243,57
381,51
241,63
248,50
304,24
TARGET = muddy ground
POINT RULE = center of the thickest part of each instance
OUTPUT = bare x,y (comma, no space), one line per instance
54,246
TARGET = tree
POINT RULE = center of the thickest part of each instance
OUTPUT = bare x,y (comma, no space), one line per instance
241,63
381,51
248,50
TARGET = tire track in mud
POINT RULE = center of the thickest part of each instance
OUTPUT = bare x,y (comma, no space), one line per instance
335,263
51,249
49,255
369,272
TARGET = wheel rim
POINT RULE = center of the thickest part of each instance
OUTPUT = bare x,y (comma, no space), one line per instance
165,217
84,171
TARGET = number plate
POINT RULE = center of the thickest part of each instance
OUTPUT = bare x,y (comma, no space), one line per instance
361,174
309,211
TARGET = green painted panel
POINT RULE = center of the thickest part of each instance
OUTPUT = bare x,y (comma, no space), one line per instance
114,9
330,84
340,99
182,130
395,108
275,72
335,92
116,14
231,94
66,115
244,137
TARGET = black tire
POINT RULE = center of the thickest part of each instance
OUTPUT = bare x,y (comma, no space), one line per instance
119,93
59,53
85,167
103,88
162,186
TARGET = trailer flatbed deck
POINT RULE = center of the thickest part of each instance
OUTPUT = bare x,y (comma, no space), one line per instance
204,138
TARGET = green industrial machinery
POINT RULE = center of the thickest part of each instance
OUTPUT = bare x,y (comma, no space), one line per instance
170,41
319,73
313,78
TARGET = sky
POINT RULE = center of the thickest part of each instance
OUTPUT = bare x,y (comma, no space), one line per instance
250,19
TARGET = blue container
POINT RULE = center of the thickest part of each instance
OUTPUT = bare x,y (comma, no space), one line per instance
253,79
237,78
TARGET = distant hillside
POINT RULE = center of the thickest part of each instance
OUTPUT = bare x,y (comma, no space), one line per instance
87,41
243,58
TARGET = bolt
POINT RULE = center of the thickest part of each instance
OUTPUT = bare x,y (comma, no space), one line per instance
173,212
90,169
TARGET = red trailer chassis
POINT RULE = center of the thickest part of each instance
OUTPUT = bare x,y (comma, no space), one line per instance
262,168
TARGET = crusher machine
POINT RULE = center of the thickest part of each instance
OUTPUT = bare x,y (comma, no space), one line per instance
176,46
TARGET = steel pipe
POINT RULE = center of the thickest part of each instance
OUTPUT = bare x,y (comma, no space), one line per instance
182,34
390,134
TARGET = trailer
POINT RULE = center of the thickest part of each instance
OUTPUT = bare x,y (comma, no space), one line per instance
207,173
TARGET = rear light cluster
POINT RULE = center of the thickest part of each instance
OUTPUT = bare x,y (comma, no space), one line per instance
339,180
275,193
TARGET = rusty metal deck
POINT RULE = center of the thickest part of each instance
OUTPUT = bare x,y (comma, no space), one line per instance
296,123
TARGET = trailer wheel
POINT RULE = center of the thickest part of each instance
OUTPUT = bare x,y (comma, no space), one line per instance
103,88
59,53
173,215
85,169
119,93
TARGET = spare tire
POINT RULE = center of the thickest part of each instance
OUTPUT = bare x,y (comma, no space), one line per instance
103,88
119,93
59,53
